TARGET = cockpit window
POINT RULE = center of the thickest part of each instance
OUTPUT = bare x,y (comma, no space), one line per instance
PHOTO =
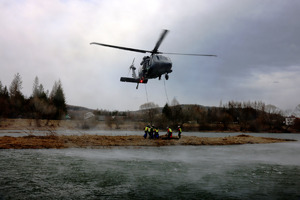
162,58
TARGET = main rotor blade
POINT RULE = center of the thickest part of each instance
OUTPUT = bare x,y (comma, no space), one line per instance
123,48
187,54
162,36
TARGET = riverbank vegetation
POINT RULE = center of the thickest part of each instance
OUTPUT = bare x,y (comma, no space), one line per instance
48,111
40,105
232,116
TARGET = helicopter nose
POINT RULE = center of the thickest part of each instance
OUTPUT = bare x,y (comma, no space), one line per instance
169,65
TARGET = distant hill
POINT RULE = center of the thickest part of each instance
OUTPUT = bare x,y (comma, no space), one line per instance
78,108
77,112
73,108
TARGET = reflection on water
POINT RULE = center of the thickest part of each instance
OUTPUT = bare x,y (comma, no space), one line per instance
264,171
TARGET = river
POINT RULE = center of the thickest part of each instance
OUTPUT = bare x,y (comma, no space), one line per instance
251,171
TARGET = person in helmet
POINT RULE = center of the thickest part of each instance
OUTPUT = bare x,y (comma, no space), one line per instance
155,132
169,130
179,132
146,132
150,132
145,65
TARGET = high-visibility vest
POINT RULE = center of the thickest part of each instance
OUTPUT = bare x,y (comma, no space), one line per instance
146,128
170,130
179,130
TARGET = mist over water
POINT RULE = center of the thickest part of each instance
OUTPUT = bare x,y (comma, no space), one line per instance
254,171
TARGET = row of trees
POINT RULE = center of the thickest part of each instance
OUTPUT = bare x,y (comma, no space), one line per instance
238,116
40,105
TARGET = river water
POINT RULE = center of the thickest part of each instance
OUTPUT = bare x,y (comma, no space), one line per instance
251,171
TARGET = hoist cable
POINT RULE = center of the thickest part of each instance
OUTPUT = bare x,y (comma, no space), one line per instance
146,93
166,91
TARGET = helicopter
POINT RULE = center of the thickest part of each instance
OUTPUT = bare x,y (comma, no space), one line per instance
153,66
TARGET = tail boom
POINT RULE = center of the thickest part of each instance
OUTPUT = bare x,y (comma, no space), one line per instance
133,80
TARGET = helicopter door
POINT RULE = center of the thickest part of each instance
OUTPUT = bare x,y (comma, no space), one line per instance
150,61
147,62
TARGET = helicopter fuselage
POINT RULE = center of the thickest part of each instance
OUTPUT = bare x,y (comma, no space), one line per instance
155,66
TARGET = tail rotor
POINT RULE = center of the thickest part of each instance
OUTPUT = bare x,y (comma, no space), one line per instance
132,67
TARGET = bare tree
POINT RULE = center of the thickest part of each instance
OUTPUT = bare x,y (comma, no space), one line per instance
174,102
16,86
296,111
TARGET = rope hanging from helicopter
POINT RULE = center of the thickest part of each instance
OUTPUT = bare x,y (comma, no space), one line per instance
146,93
166,91
165,88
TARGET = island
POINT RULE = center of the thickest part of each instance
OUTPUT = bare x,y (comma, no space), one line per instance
100,141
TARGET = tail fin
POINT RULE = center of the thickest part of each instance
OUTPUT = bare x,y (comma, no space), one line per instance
133,69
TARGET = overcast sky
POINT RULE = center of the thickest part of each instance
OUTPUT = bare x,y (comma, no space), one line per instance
257,43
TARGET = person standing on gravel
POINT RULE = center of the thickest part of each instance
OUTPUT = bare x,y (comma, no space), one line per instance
169,130
179,132
146,132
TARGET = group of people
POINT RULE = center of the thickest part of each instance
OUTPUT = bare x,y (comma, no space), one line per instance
153,132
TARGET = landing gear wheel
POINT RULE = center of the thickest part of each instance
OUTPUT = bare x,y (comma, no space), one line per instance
167,76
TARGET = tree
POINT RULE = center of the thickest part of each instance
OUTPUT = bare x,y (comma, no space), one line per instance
167,112
39,102
1,87
16,85
296,125
54,89
16,97
57,98
35,87
177,115
226,119
4,101
296,111
174,102
273,117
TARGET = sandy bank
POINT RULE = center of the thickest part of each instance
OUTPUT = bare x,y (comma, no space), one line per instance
96,141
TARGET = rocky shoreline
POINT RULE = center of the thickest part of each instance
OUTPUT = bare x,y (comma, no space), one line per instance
97,141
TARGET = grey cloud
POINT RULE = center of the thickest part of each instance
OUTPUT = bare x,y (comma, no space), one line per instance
256,43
